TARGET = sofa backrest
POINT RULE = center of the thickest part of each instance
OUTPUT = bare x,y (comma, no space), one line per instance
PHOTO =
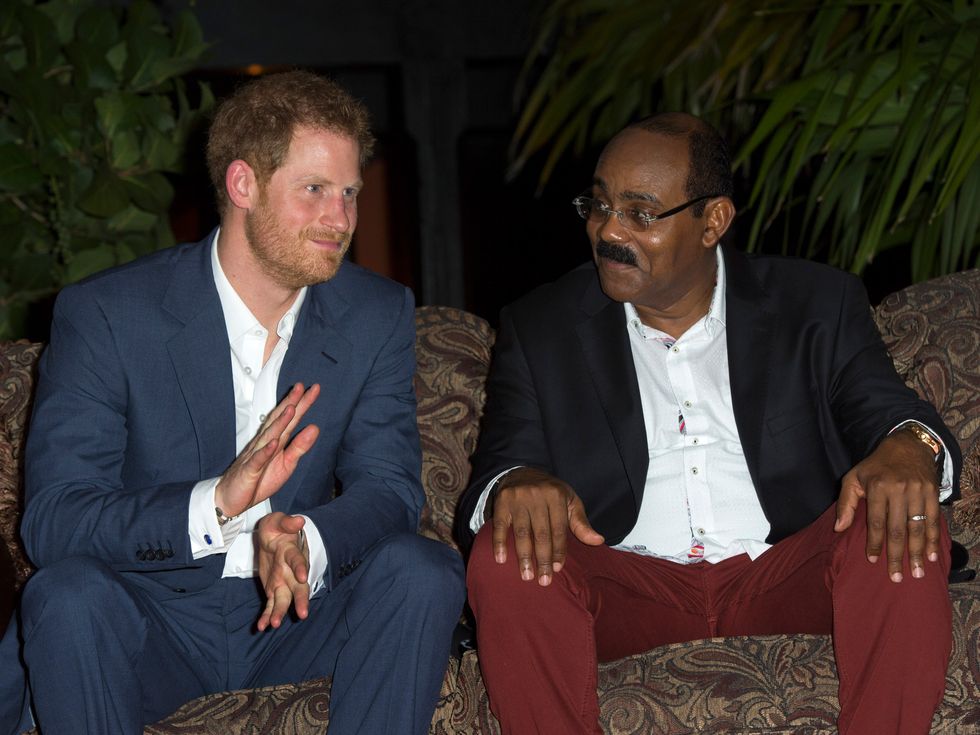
17,364
452,350
931,329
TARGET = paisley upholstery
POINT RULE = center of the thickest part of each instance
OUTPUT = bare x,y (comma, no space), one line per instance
761,684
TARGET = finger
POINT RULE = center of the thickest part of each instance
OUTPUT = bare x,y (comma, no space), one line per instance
300,445
301,600
897,521
876,508
297,563
916,534
579,524
290,400
306,399
541,535
264,618
523,544
270,431
283,597
851,492
501,525
933,519
558,520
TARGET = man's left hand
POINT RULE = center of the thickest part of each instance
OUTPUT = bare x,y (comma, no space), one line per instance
899,484
284,566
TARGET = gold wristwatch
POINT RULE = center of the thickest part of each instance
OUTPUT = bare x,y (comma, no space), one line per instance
926,437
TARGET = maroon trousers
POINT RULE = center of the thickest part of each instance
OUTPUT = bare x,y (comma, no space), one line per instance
539,646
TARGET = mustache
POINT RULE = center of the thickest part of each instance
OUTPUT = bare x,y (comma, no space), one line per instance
617,253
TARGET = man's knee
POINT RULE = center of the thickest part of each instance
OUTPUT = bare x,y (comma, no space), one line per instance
425,569
491,584
79,586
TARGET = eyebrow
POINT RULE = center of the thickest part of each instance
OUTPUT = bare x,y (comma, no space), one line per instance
626,195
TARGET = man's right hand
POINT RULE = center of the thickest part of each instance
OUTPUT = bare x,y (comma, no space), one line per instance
269,459
541,509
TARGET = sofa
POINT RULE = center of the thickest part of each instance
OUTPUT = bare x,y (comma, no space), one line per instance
762,684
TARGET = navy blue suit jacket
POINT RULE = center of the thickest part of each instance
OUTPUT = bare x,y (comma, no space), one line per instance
813,392
135,404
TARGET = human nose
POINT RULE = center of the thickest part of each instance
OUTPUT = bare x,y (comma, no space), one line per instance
612,228
339,214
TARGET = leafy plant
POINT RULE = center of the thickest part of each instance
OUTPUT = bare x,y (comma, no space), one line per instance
93,115
858,121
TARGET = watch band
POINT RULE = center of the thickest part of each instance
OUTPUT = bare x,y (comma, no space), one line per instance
925,437
222,518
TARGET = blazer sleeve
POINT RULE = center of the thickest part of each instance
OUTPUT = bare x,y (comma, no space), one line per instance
379,460
867,396
76,502
511,431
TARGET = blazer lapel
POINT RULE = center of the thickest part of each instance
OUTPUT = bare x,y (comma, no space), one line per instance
318,352
200,354
751,324
605,345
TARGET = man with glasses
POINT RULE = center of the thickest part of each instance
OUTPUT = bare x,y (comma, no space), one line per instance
682,442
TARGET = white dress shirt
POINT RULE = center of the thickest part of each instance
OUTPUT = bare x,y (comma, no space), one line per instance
699,503
255,396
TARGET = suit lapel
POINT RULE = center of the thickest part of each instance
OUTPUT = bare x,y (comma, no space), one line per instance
199,352
605,346
751,324
319,352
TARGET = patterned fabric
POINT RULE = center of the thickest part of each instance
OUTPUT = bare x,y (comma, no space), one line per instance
932,331
762,684
17,369
453,357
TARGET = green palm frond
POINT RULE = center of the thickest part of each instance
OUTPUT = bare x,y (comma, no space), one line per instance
858,121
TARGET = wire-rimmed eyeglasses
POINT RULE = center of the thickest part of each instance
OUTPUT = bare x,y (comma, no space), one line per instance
631,218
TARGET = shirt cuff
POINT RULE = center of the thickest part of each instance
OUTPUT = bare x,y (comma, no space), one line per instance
946,479
319,559
476,520
207,536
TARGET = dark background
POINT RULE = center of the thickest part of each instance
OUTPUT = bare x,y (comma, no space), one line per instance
438,212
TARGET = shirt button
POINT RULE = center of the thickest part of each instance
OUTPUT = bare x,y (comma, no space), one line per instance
694,470
262,417
676,349
695,440
701,532
259,332
248,371
687,404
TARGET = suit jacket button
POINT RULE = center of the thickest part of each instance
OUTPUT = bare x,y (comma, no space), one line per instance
161,555
169,553
141,555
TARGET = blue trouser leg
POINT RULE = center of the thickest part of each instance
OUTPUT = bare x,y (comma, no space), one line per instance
107,653
102,656
15,702
384,632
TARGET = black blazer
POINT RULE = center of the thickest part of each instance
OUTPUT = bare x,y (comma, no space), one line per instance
813,392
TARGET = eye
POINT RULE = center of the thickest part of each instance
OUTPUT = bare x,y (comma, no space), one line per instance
640,216
350,192
314,188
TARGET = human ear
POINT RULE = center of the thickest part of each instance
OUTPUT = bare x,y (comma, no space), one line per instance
241,184
718,216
